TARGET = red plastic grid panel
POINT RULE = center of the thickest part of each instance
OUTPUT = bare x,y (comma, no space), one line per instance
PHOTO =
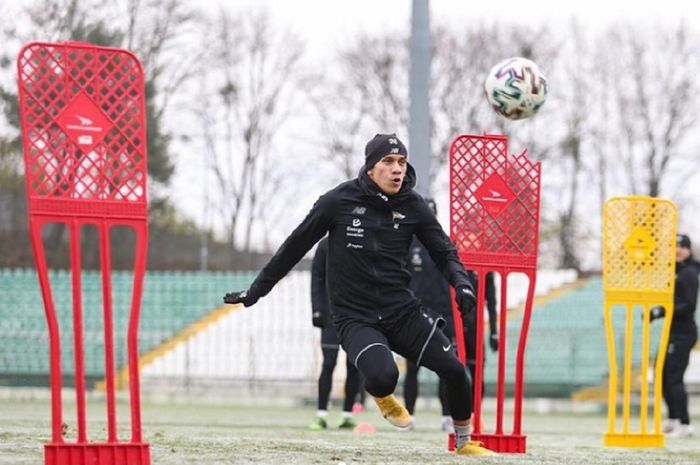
84,132
83,119
494,218
494,203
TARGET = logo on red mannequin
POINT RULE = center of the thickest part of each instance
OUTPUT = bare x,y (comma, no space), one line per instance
84,122
494,195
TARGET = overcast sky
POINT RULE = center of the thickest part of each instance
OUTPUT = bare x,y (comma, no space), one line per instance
326,23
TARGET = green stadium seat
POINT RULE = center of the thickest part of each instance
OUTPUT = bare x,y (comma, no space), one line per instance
171,301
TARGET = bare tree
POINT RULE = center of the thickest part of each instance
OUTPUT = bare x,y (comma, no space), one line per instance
377,66
61,19
344,122
574,67
461,60
154,30
247,95
161,34
363,91
656,100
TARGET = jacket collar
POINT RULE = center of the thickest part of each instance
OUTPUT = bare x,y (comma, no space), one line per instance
385,201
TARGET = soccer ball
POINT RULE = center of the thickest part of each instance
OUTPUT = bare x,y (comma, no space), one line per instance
516,88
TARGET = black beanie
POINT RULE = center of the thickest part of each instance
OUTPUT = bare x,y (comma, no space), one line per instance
382,145
683,240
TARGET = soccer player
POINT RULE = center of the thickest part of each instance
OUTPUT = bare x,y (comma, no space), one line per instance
370,221
321,318
683,336
432,290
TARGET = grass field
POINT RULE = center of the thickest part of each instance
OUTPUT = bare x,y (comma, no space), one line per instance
228,433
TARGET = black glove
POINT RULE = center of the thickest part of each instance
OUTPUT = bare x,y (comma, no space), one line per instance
465,299
493,341
657,311
247,298
317,319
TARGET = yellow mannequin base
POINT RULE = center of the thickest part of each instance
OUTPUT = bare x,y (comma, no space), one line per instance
634,440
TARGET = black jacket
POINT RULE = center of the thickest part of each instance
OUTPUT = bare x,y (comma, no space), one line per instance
369,236
685,297
432,290
427,283
320,305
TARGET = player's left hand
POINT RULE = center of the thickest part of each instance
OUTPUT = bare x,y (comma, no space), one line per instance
465,299
493,341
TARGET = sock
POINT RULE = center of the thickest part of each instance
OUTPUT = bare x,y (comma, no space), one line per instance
322,414
346,414
462,434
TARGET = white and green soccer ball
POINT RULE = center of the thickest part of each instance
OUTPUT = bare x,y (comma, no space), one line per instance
516,88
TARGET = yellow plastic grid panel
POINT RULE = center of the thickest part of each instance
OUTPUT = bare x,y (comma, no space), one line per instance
638,273
639,236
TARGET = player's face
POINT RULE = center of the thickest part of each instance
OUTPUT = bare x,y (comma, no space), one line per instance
682,253
388,173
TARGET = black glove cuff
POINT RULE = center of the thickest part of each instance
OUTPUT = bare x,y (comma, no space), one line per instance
657,312
465,298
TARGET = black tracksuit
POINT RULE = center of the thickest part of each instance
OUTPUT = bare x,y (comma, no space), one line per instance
321,318
683,336
369,235
373,308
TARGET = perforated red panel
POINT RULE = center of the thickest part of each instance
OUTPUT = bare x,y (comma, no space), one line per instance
84,131
494,222
494,203
84,140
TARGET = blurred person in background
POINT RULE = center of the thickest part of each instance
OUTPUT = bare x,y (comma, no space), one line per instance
322,318
682,339
370,222
431,288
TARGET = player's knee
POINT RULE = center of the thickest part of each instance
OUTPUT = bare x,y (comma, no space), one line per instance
379,370
383,383
381,380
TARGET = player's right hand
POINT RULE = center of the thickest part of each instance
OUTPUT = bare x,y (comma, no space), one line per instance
466,300
243,297
493,341
657,311
317,319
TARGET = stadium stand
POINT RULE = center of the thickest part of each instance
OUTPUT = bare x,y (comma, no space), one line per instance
171,301
187,338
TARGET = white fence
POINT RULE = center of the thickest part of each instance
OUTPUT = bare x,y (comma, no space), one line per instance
272,346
